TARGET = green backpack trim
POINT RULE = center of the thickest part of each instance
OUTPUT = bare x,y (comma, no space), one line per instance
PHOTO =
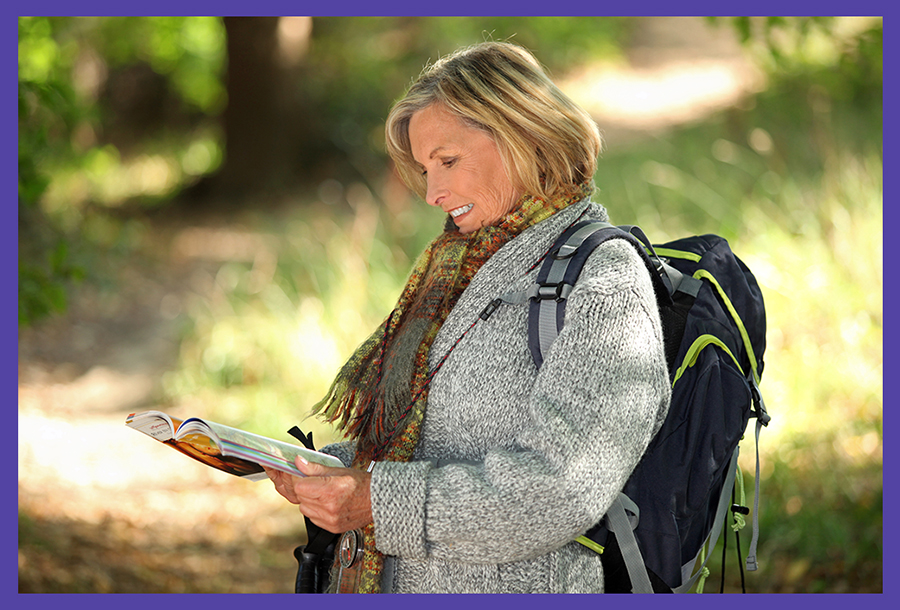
690,358
704,274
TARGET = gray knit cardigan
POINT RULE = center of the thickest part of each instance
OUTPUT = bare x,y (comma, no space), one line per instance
542,453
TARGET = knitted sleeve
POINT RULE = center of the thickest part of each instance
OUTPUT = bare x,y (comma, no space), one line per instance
580,427
344,451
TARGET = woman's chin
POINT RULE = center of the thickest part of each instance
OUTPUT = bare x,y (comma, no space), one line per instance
467,223
463,226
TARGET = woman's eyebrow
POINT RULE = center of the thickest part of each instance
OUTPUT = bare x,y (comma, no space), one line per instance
436,151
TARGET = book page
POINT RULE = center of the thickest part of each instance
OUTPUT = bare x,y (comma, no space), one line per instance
197,445
266,451
153,423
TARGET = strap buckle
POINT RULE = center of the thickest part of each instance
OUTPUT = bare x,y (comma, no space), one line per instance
544,292
761,414
565,251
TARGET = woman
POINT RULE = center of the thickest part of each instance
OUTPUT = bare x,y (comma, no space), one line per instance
473,471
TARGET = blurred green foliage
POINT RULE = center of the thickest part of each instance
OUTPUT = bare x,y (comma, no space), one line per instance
47,113
121,109
357,67
69,160
66,112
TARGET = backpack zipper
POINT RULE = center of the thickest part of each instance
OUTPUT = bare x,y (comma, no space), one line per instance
693,353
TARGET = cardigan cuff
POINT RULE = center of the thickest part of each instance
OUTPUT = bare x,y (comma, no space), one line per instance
399,491
344,451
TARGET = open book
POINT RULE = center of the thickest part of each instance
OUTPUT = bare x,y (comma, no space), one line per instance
231,450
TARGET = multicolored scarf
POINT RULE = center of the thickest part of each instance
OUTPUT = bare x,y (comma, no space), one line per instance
380,395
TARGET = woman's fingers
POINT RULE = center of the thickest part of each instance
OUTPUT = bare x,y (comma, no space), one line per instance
283,484
337,499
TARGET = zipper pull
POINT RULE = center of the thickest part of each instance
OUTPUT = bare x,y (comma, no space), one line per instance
490,309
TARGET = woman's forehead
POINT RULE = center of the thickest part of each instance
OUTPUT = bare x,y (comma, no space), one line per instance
434,128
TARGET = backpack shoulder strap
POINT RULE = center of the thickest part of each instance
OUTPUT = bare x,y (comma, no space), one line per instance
561,269
555,281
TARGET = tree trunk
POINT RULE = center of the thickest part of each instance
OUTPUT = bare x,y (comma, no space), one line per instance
257,130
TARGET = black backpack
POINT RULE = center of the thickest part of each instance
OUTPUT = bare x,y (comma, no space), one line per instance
713,318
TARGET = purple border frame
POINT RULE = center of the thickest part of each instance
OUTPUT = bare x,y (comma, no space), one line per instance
403,7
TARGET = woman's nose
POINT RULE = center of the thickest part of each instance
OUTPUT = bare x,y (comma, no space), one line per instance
435,192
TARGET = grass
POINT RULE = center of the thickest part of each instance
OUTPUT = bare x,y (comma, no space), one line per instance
798,193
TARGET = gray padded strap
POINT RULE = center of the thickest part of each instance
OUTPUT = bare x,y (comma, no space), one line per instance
762,419
681,282
751,553
547,310
578,238
623,527
546,326
674,279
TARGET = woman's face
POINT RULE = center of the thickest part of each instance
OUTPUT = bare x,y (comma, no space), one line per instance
463,169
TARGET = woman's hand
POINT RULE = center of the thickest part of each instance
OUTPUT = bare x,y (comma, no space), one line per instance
336,499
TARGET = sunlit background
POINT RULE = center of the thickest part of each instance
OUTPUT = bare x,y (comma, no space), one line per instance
189,247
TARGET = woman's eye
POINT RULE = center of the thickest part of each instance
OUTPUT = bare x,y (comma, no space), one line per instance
444,163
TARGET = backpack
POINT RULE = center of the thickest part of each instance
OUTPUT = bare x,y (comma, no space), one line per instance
713,320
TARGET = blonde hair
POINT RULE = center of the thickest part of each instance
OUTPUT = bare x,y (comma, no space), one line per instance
547,142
